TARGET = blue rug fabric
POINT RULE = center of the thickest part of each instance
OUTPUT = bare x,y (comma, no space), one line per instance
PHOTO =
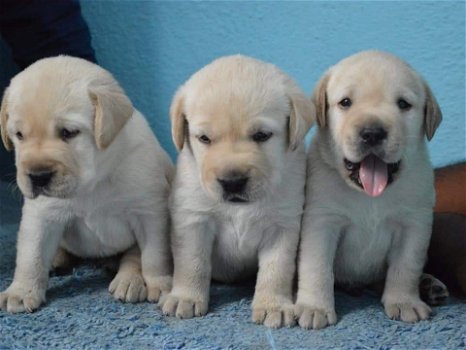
81,314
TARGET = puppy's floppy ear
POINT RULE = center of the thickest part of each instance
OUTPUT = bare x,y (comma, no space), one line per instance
112,110
178,119
3,119
302,116
432,113
319,97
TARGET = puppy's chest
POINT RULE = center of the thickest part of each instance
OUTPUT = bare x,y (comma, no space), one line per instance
241,233
236,245
362,252
99,231
104,223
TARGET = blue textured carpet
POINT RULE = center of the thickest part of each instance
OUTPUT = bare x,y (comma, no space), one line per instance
81,314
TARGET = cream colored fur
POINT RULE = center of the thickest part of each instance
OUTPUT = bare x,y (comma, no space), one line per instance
229,101
110,185
347,236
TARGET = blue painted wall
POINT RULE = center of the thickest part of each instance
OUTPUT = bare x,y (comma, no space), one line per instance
154,46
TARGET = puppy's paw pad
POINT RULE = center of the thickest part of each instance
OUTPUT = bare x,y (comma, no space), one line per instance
432,290
314,318
183,307
408,311
274,317
129,288
16,301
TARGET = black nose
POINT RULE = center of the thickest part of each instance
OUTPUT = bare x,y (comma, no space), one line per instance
233,185
41,178
372,136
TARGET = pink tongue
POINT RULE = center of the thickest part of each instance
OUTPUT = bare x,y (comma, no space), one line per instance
374,175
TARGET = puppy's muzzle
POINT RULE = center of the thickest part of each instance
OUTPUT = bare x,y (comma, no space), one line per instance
40,178
234,187
372,173
372,136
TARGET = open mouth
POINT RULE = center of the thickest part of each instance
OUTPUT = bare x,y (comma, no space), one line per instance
44,193
372,174
36,192
235,199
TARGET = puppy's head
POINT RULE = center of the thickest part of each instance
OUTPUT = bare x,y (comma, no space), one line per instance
59,114
376,110
239,118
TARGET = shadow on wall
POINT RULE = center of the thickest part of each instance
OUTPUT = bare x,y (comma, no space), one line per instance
7,70
154,46
151,47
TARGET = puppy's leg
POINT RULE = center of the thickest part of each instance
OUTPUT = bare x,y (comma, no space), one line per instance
272,304
432,290
63,262
62,259
38,241
315,304
156,260
405,263
128,284
192,250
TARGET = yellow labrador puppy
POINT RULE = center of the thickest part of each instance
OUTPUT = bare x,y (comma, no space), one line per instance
94,178
370,187
238,192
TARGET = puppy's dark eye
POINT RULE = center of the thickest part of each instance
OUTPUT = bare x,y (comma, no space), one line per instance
204,139
345,103
403,104
261,136
66,134
19,135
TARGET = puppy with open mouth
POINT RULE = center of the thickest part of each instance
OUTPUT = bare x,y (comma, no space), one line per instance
238,193
95,180
370,192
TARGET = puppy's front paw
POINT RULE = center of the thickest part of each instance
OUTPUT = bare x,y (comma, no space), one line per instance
274,317
21,299
313,317
158,288
409,311
128,287
181,307
272,311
